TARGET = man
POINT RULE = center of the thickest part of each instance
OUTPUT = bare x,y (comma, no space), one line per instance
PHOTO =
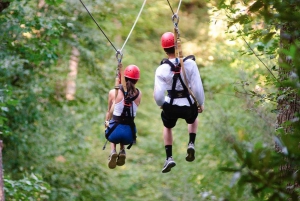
178,103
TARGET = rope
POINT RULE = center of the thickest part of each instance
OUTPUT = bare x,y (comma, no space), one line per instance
178,6
134,24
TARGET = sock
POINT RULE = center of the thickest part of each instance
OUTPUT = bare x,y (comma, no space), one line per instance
168,150
192,138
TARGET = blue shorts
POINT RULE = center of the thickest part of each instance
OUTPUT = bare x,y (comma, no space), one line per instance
121,134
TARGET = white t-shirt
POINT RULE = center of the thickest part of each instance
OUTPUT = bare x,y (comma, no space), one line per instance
164,79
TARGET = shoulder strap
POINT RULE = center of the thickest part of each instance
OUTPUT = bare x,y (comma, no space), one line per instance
176,70
192,57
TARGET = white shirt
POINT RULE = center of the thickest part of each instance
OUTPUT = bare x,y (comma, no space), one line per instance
164,79
118,109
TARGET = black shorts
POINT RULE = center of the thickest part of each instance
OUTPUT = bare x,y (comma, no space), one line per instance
171,113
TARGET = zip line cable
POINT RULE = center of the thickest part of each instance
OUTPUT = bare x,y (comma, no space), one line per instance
98,25
172,8
118,52
178,6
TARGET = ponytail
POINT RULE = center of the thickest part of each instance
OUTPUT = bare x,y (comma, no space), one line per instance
130,85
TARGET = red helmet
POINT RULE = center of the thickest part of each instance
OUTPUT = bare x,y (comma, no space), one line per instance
132,72
167,40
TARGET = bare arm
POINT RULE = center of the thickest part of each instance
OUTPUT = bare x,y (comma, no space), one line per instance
111,98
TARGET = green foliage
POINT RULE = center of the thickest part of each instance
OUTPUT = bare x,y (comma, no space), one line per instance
62,139
29,188
271,173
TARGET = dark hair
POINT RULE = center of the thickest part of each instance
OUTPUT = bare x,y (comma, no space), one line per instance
170,50
130,85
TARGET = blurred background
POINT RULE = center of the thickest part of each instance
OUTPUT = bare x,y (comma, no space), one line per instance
56,70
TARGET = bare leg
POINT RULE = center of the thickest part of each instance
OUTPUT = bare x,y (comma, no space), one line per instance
192,128
168,138
122,146
122,155
112,146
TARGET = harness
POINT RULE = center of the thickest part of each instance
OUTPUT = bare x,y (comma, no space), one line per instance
127,116
173,93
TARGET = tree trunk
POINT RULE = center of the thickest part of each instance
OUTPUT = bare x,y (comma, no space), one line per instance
288,102
73,65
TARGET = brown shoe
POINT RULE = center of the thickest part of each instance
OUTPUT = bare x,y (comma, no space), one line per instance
112,159
121,158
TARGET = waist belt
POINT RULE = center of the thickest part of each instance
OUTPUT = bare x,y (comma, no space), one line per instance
178,94
124,120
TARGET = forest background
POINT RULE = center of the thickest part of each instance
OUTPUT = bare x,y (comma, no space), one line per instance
56,70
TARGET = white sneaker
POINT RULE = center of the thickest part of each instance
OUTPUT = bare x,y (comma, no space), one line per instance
168,165
190,152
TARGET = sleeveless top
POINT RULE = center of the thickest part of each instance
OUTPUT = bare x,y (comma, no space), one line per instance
119,108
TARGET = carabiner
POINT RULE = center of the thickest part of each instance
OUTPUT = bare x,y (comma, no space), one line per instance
119,56
175,19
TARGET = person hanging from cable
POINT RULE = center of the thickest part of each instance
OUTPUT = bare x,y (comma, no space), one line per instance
121,129
183,100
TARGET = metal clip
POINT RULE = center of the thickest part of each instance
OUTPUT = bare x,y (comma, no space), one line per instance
119,56
175,19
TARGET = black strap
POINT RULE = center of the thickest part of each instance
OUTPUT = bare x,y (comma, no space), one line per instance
192,57
176,70
111,130
127,116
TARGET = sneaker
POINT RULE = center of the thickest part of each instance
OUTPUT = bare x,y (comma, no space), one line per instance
112,159
121,158
190,153
168,165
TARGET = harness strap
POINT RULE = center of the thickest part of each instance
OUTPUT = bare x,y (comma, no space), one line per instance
127,116
176,69
111,130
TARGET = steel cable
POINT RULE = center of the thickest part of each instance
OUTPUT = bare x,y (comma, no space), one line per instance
117,51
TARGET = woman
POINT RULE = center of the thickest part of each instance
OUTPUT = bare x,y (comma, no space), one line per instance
121,128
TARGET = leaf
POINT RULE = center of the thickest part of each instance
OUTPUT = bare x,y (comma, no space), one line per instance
256,6
268,37
238,151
